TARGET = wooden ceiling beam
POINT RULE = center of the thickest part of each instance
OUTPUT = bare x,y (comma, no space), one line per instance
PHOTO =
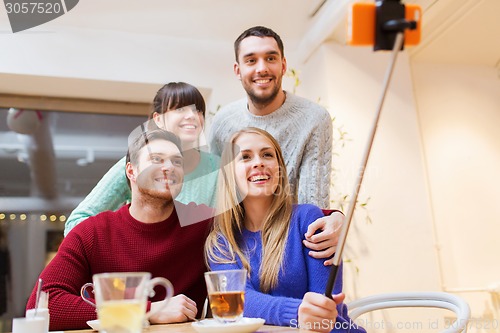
74,105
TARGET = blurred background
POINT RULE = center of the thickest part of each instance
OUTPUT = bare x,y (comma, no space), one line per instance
432,184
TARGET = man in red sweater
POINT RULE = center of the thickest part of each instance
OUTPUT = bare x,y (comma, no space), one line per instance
144,236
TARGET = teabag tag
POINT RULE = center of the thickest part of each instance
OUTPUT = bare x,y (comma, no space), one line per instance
223,283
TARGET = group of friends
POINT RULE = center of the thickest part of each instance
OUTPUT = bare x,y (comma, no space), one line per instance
175,208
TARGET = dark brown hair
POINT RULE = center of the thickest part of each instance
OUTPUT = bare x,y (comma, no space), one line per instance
140,137
176,95
258,31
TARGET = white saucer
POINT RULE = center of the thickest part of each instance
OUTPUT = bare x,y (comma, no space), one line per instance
244,325
94,324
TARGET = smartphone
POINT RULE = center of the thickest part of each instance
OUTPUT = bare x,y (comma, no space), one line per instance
361,24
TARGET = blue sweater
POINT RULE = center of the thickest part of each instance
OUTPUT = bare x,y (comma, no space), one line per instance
300,274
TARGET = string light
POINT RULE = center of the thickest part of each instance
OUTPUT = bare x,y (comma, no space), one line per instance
32,217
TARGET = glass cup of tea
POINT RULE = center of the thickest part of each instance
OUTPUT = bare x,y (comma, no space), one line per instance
121,299
226,293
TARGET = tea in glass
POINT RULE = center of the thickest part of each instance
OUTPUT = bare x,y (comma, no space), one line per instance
226,293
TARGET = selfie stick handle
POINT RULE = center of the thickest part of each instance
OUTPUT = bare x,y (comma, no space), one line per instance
345,227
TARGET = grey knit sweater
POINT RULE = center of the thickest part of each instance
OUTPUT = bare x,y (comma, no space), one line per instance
304,132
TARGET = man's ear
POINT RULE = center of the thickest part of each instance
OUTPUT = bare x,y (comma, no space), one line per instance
130,172
284,66
236,69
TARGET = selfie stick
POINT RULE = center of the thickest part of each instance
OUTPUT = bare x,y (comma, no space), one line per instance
345,227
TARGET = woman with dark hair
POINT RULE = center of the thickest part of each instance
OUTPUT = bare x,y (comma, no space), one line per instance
179,108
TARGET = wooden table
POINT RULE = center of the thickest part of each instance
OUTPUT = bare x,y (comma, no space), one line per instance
186,328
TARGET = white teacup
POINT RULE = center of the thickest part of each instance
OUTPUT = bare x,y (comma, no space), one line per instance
121,299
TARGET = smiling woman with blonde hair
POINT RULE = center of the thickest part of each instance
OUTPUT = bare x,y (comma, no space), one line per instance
230,218
258,228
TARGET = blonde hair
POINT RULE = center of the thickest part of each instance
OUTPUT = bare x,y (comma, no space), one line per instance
222,243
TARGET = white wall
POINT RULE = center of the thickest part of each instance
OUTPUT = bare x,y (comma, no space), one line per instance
396,251
433,178
459,113
110,56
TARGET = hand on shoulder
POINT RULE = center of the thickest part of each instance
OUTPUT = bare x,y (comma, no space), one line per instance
324,243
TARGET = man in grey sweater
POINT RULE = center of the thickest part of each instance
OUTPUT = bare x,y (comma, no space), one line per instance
302,128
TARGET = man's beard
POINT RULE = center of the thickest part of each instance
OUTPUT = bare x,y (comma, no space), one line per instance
152,189
264,100
153,194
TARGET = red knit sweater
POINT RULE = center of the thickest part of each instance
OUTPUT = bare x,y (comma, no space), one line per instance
116,242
